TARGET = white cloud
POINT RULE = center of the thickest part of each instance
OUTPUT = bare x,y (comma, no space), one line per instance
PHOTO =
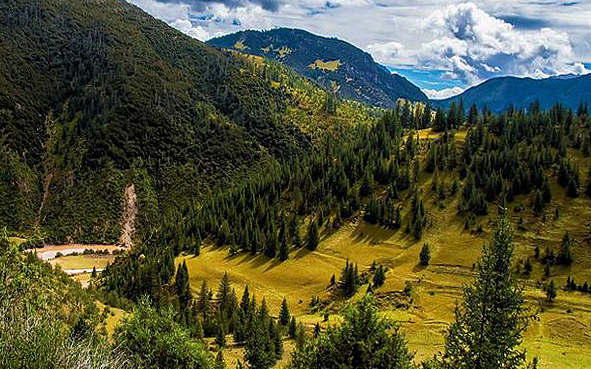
165,11
443,94
470,41
387,52
473,45
185,26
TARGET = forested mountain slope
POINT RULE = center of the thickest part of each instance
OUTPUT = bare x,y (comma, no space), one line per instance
327,61
399,209
98,95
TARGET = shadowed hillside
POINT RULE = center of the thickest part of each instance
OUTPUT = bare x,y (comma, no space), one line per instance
327,61
97,95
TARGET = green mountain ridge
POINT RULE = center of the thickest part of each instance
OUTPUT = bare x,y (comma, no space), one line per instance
98,95
498,94
357,75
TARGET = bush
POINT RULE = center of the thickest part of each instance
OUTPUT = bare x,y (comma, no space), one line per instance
153,339
363,341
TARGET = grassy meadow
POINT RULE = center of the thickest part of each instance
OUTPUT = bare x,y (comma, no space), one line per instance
559,332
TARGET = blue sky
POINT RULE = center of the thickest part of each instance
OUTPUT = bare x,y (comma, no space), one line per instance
427,79
434,79
444,46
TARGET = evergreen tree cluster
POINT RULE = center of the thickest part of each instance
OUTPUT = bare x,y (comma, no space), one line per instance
572,285
350,279
363,341
509,154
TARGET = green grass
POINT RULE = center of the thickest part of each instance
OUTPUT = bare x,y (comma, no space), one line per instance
83,261
331,65
559,338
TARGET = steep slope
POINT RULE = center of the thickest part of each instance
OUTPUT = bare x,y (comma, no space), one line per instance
326,60
498,93
98,95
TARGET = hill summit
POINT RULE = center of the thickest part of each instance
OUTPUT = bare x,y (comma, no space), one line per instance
328,61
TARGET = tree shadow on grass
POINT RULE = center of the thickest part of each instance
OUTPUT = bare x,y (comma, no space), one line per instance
300,253
255,261
419,268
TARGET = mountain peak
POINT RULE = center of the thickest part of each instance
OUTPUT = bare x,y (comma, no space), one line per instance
326,60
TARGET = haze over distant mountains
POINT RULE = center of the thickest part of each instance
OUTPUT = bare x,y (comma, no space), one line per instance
497,94
326,60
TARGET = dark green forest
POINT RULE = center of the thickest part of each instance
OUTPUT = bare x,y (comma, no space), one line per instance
95,95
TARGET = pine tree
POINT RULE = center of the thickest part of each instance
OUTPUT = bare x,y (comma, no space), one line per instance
245,303
317,330
528,267
264,311
277,340
223,295
566,257
312,236
573,188
425,255
538,203
379,277
284,313
204,301
547,269
364,340
272,243
349,278
259,352
294,229
551,291
490,320
473,115
220,338
183,289
283,248
292,328
366,186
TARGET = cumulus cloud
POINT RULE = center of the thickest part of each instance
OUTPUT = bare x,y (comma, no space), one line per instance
470,42
199,5
185,26
251,16
443,94
472,45
386,52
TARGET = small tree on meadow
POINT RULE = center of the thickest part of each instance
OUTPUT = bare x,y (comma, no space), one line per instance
551,291
425,255
490,320
284,313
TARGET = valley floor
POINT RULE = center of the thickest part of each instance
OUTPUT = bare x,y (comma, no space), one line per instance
559,333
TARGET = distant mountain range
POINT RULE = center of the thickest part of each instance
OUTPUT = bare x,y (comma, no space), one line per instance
499,93
326,60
